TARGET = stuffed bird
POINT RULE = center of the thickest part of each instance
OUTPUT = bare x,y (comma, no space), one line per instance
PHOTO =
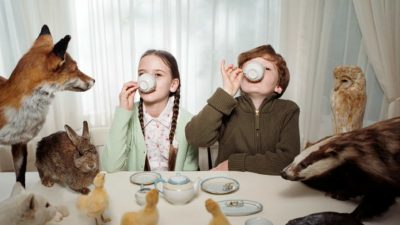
147,216
96,202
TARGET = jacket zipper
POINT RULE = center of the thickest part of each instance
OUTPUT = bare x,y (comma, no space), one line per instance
257,130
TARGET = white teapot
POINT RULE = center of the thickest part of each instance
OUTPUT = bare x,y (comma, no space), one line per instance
179,189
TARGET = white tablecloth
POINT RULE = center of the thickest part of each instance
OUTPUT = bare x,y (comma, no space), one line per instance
282,200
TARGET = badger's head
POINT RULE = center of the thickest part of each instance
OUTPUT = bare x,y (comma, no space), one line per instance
318,159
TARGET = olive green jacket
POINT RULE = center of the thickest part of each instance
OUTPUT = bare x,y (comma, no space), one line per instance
263,141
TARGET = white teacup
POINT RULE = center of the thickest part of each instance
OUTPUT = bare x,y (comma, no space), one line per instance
258,221
254,71
141,195
147,82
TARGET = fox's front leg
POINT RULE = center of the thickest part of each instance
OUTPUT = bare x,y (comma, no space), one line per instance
20,155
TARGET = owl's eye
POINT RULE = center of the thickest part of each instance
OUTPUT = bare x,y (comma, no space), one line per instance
344,81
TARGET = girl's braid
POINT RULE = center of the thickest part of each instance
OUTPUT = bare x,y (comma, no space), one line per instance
172,150
146,163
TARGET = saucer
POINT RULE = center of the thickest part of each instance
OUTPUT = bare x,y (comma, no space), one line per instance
144,178
239,207
220,185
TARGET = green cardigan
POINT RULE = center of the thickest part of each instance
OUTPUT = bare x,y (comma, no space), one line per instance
126,149
263,142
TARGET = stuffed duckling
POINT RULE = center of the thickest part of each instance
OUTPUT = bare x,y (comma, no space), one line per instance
147,216
218,218
96,202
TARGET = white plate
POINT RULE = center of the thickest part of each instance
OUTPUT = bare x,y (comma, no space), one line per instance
144,178
220,185
239,207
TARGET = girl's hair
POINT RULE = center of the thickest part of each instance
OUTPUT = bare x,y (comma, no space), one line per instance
170,61
267,52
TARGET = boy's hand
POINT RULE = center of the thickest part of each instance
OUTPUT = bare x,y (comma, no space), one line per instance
127,95
231,78
221,167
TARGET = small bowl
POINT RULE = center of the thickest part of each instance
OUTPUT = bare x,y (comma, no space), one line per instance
258,221
140,196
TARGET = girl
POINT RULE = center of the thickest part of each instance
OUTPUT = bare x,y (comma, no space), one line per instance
149,135
256,131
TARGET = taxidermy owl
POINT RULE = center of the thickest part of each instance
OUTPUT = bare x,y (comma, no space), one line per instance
348,99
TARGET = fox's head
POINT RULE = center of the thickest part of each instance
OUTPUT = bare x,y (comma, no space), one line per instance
49,66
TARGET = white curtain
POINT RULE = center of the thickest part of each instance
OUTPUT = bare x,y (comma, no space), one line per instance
380,27
316,37
114,34
109,36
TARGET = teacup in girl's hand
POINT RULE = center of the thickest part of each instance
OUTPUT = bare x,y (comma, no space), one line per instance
147,82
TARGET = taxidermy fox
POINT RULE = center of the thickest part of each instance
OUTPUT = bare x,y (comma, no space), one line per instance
25,97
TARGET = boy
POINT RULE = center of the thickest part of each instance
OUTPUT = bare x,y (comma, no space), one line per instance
257,131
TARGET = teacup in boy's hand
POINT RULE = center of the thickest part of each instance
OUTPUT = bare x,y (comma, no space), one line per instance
221,167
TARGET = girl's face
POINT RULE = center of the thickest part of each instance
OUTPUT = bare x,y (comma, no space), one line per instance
165,84
267,85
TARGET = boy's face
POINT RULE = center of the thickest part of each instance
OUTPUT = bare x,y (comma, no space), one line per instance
165,84
267,85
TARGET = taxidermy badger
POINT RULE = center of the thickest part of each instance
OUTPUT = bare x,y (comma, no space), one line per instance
25,97
364,162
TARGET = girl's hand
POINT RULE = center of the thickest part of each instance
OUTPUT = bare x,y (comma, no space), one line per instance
127,95
231,77
221,167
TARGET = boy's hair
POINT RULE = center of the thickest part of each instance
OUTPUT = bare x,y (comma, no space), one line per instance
267,52
170,61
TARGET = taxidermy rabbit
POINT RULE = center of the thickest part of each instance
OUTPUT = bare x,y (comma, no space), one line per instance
218,218
94,204
24,208
66,158
147,216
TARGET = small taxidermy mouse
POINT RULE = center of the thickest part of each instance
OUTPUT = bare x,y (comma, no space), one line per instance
218,218
147,216
25,208
94,204
68,158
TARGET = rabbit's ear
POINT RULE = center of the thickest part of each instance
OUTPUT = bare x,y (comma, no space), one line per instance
72,135
85,132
